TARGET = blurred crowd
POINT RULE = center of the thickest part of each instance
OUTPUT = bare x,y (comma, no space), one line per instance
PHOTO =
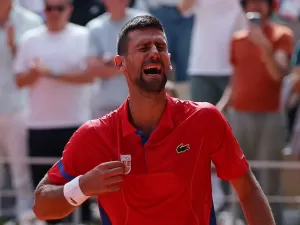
57,71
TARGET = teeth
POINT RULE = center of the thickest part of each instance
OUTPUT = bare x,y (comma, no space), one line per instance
151,67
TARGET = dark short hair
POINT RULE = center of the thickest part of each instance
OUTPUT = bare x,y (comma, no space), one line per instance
137,23
270,3
68,1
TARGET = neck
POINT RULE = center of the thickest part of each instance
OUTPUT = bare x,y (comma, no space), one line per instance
146,111
118,15
264,23
56,29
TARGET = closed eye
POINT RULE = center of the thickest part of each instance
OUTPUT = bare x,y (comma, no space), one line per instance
144,49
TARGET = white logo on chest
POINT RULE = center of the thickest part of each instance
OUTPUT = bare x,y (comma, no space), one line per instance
126,160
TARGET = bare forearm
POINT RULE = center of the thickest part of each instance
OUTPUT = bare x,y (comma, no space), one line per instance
225,99
256,209
23,79
275,70
50,203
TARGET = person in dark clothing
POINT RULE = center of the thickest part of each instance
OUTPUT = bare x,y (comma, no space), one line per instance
86,10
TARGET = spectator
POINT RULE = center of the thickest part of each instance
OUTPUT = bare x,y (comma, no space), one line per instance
86,10
209,67
260,59
178,29
112,88
14,21
51,63
35,6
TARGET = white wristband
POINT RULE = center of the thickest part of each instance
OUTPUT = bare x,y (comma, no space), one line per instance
73,193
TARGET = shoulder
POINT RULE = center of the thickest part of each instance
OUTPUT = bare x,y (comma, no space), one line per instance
203,112
27,16
136,12
240,35
98,23
281,30
100,126
77,29
207,111
32,35
106,126
97,133
193,106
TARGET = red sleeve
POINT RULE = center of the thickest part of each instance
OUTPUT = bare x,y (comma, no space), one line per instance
225,151
80,155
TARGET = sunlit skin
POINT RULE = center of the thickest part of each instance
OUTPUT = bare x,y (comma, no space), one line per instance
146,48
260,6
5,6
57,13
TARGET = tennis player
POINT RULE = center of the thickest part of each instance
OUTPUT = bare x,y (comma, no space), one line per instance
149,162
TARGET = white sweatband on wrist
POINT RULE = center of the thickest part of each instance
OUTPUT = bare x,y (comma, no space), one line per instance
73,193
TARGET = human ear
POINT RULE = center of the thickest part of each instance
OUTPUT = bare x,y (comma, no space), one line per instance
120,63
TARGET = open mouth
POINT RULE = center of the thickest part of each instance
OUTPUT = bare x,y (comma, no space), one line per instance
153,70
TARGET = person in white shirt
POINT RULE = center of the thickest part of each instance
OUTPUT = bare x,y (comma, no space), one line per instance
51,63
14,21
209,66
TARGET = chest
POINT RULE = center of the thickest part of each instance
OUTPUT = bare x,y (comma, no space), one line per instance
160,172
60,53
247,52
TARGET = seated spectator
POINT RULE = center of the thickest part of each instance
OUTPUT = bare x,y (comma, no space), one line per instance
260,58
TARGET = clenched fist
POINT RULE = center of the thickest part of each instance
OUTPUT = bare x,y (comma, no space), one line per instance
104,178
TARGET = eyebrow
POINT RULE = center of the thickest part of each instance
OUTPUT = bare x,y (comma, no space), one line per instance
158,42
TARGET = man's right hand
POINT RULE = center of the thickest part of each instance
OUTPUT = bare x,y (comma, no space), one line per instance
104,178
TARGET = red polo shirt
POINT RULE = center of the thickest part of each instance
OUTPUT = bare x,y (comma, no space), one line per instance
169,176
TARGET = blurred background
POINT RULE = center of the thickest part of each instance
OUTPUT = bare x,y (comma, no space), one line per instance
57,71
